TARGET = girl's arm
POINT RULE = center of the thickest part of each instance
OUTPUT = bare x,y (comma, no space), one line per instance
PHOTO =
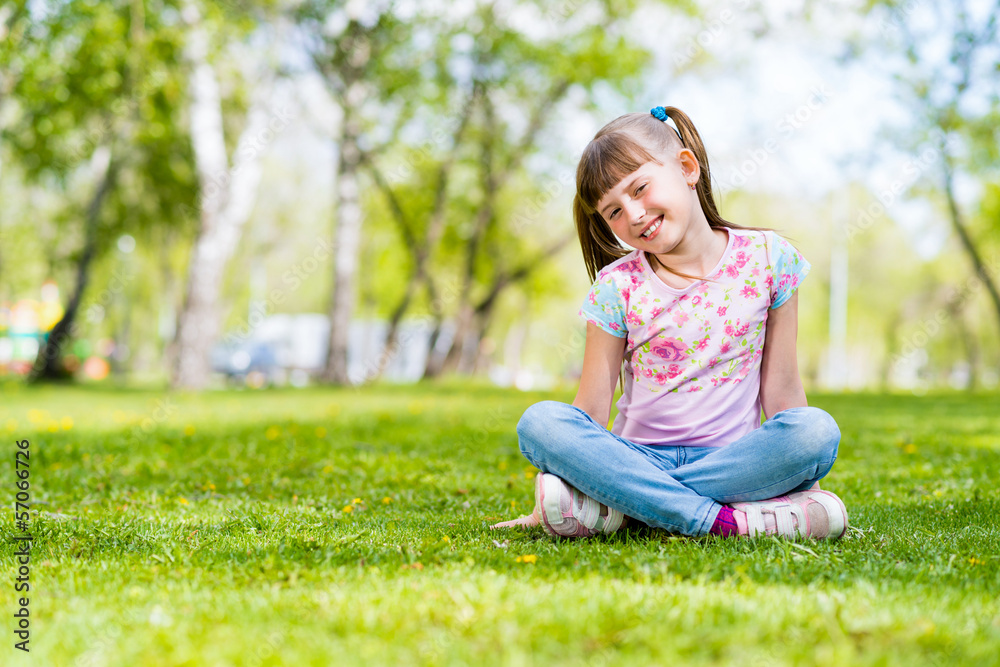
602,361
780,384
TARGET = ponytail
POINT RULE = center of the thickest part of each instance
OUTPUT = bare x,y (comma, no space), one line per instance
692,140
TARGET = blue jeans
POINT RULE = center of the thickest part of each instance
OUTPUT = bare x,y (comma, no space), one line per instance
679,488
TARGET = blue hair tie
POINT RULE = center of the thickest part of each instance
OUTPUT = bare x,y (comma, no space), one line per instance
659,113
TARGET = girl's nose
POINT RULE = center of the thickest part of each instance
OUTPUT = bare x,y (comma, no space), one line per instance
635,212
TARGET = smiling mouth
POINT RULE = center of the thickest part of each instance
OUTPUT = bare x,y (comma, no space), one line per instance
653,228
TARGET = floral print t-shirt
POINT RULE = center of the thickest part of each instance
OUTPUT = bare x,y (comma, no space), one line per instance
693,354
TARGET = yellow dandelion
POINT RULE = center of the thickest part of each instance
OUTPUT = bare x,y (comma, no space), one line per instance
348,508
11,425
189,430
910,448
528,474
183,501
272,432
529,558
446,539
513,504
976,561
386,500
356,501
36,416
66,423
503,465
53,426
327,470
211,486
320,432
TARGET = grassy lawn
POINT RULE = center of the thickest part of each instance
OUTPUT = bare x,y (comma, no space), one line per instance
344,527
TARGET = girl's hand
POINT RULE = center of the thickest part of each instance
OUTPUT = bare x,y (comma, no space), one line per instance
526,521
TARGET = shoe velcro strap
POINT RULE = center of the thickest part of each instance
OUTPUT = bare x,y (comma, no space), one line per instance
612,521
783,520
588,512
755,520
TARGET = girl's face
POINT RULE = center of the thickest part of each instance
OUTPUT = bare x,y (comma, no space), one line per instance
653,208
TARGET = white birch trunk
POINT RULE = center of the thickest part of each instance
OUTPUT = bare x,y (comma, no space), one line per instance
347,239
227,199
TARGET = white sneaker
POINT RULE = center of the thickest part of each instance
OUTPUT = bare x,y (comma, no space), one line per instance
565,512
816,514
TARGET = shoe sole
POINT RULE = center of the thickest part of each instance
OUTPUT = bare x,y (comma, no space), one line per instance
547,502
540,497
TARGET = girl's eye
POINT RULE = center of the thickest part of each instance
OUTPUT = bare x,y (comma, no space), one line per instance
640,188
614,213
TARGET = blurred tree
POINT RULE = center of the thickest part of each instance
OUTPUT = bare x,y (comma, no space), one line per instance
366,56
945,58
487,93
227,194
93,101
524,79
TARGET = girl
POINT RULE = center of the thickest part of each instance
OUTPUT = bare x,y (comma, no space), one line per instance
703,312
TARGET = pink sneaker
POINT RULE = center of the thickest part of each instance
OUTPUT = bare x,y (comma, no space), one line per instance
816,514
565,512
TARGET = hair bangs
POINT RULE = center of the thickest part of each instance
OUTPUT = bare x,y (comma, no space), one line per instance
605,162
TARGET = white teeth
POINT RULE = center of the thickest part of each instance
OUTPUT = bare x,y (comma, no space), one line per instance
651,229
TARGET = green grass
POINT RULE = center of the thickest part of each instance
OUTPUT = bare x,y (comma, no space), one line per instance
214,530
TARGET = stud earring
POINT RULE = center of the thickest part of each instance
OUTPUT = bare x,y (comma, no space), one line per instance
692,185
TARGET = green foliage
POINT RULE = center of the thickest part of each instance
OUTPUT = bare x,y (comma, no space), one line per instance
227,528
87,75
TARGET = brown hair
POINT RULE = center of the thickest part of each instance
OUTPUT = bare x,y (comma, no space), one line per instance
618,149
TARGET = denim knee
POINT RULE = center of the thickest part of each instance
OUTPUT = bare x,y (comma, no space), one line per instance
536,427
817,433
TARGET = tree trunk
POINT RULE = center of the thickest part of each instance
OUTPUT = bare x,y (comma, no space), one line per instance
495,173
347,237
422,249
47,366
969,343
967,243
226,203
890,334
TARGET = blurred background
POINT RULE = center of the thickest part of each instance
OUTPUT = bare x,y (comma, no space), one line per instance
194,191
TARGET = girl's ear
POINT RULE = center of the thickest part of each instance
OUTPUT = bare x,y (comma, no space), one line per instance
689,164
